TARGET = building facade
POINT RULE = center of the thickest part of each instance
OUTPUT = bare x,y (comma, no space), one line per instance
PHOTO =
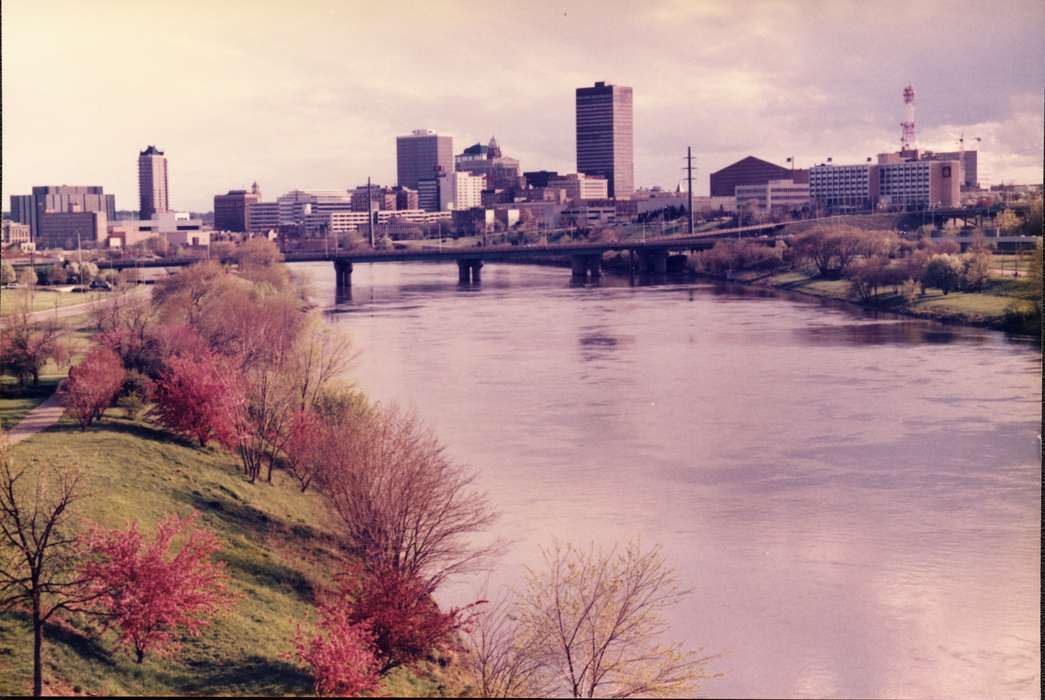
500,172
780,195
578,186
605,136
69,229
230,210
844,187
153,194
920,184
60,199
468,190
425,157
751,171
262,216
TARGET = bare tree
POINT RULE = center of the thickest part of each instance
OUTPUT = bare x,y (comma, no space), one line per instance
498,658
37,553
591,620
403,504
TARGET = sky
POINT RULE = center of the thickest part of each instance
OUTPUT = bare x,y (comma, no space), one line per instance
309,94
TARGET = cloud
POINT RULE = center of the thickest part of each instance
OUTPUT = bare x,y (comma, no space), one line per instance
313,94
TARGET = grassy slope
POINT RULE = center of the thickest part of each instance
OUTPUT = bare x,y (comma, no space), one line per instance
278,546
988,307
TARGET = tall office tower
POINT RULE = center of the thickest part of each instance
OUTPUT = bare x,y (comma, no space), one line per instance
425,157
152,182
604,136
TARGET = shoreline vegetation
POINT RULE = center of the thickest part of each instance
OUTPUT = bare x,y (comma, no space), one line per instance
225,514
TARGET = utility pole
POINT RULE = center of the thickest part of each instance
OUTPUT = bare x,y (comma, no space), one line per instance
689,185
370,212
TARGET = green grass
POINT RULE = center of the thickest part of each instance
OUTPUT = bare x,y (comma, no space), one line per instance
1001,298
278,544
41,299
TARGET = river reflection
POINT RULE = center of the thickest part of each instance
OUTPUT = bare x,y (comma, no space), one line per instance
854,499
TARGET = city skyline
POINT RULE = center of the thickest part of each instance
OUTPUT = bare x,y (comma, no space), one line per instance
322,113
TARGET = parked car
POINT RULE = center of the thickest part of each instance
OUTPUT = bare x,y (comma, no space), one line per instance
101,284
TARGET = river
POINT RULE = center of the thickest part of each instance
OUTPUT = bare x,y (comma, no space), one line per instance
853,499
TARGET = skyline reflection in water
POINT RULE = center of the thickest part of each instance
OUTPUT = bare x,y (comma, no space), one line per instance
853,498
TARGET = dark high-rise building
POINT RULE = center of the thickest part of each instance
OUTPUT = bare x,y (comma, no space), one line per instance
751,171
425,157
152,182
230,210
604,136
59,199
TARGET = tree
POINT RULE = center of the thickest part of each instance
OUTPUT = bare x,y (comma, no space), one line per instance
942,271
27,277
200,397
866,275
498,659
339,654
976,269
819,247
403,504
27,345
591,621
405,624
150,594
92,385
7,273
37,553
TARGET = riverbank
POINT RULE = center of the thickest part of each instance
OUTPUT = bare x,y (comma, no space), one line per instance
1006,303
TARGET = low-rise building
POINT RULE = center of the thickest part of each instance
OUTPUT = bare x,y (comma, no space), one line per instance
69,229
262,216
775,195
177,227
579,186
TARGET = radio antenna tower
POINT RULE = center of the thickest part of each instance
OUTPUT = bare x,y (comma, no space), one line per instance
907,135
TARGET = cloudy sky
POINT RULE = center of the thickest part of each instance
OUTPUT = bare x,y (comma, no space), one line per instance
312,94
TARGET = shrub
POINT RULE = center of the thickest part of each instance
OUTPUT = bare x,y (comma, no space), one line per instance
976,270
339,654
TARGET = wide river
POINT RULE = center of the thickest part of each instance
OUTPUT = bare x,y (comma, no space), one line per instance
854,500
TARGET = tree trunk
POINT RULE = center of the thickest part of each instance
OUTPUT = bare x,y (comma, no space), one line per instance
38,648
139,655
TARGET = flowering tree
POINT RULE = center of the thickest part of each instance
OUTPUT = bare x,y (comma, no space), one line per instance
150,595
339,653
397,608
200,397
92,385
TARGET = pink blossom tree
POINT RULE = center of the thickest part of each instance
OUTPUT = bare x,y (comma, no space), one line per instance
92,384
200,397
152,596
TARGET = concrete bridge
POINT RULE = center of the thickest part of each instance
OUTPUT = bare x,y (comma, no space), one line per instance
652,255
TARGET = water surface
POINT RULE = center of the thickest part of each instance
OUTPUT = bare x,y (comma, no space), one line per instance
853,499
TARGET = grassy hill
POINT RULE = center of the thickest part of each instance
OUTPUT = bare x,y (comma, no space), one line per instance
277,542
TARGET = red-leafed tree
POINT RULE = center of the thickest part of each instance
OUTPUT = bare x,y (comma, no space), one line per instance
200,397
92,384
339,653
397,608
152,596
306,447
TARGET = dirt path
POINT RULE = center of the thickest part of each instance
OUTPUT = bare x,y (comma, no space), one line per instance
42,417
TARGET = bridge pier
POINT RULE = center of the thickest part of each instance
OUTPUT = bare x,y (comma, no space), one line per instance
653,262
676,264
585,267
469,272
342,277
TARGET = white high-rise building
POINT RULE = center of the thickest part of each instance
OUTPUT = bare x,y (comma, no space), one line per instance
468,190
